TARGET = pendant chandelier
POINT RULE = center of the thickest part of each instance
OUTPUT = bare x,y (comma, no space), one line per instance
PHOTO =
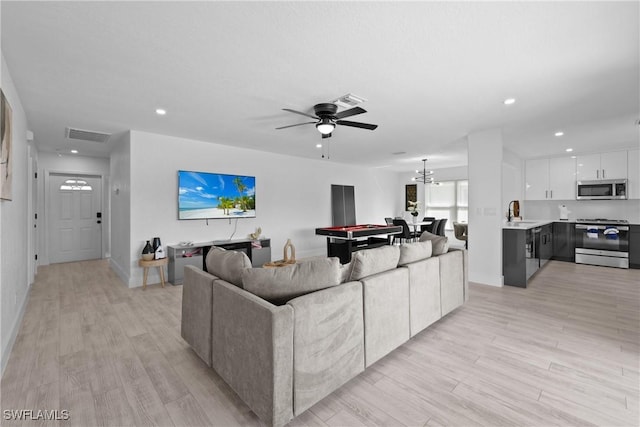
424,176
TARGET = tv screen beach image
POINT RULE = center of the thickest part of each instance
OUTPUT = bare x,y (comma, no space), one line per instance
203,195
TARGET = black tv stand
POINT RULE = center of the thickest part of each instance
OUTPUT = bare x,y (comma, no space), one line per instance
196,254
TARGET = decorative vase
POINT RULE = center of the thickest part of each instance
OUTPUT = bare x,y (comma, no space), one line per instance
147,252
415,219
289,256
156,243
157,249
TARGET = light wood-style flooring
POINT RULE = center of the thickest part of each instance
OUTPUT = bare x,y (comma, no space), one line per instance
562,352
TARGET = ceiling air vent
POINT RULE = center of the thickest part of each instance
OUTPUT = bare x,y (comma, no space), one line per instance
348,101
86,135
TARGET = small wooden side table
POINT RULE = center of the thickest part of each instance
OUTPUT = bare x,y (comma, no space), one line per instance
160,263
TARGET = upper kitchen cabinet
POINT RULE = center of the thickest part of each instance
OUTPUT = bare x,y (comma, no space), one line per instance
550,179
633,187
611,165
536,185
562,178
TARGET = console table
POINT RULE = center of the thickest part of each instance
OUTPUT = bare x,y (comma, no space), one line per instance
196,254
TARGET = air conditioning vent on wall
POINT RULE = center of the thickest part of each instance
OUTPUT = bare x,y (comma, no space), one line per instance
86,135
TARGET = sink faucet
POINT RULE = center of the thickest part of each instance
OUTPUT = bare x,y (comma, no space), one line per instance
516,210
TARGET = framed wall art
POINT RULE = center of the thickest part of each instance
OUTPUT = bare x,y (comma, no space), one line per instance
6,163
410,195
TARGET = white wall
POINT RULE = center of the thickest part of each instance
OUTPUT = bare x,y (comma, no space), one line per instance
72,164
293,195
485,207
120,203
512,180
451,174
14,223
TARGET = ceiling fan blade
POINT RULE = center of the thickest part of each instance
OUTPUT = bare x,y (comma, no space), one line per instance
299,124
356,124
326,135
301,113
350,112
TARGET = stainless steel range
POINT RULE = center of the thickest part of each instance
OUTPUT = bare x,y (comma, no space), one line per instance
601,241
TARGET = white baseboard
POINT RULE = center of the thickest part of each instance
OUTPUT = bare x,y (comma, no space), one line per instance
6,352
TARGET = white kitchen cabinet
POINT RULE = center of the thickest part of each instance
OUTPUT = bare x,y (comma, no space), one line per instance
550,179
612,165
562,178
633,185
536,179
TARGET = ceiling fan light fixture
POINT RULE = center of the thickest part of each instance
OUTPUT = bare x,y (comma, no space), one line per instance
325,127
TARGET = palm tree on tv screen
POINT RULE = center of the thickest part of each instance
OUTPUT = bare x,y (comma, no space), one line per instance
225,203
242,200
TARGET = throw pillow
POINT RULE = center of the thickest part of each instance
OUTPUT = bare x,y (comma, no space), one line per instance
372,261
227,265
440,244
412,252
279,285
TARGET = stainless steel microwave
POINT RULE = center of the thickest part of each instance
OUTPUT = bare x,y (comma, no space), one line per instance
602,189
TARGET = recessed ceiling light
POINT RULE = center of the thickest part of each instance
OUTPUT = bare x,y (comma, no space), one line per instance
161,111
559,133
573,157
74,151
318,145
568,150
509,101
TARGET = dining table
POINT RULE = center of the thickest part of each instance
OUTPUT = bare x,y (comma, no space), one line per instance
417,224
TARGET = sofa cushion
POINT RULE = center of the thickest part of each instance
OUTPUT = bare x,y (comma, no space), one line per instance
279,285
328,333
227,265
440,244
412,252
372,261
386,313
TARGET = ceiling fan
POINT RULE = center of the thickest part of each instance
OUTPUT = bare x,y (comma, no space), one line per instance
327,118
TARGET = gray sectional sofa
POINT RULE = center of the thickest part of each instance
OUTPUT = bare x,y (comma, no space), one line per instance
285,338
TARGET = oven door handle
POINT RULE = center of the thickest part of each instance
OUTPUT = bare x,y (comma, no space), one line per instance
602,227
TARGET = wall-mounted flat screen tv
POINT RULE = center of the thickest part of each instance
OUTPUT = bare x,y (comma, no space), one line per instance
204,195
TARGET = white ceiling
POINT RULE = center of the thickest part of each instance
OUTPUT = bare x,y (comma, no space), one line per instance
432,73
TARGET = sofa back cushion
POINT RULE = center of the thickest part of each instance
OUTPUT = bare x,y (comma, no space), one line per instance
372,261
227,265
440,244
279,285
412,252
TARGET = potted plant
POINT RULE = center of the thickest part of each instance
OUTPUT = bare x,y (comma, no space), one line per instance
413,210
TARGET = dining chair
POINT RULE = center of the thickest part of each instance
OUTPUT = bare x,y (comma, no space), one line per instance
406,234
433,228
428,227
440,230
460,231
389,220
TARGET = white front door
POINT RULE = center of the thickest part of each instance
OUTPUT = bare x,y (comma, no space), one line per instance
75,230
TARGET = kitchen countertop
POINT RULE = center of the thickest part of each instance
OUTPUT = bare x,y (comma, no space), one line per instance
529,224
533,223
